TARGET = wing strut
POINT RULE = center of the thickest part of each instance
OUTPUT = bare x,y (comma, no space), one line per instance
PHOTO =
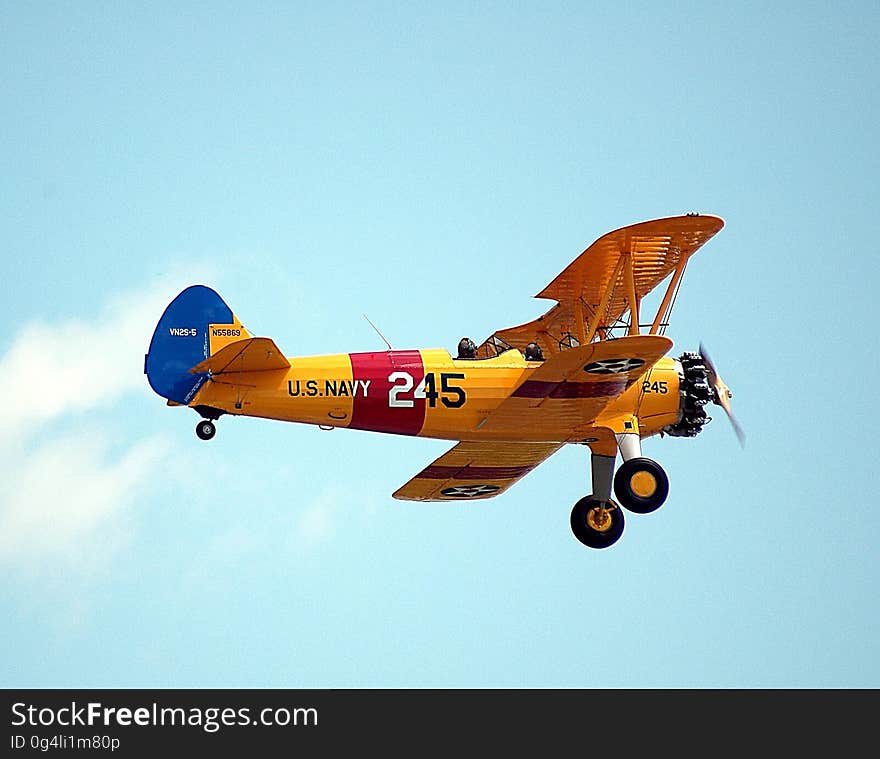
669,296
603,304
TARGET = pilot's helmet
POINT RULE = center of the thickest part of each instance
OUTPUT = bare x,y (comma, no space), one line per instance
533,352
466,348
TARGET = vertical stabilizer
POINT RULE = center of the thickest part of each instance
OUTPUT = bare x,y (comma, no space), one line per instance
183,338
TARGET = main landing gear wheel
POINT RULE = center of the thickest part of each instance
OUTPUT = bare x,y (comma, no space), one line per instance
205,429
596,524
641,485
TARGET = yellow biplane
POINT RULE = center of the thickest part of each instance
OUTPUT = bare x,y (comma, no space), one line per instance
589,371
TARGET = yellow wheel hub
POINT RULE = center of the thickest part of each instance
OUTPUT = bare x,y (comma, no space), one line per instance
643,484
599,519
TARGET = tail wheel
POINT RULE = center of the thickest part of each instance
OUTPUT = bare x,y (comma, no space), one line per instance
206,429
595,523
641,485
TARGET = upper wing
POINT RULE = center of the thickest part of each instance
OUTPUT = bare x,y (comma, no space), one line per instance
256,354
470,471
572,387
607,279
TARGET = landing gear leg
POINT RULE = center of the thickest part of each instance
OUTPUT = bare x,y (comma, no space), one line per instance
602,468
596,520
630,445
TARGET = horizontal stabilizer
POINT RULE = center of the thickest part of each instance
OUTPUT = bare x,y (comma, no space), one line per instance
256,354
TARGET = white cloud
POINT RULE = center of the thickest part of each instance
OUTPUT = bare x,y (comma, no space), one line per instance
321,518
55,369
65,500
318,520
68,499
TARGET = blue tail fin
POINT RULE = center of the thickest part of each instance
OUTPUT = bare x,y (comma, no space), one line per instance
181,341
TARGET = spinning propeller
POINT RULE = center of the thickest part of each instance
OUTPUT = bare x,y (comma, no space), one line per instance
721,394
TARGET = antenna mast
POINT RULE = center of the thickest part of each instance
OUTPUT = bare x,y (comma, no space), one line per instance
379,333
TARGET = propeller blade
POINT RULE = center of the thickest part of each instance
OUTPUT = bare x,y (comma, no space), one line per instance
722,394
741,436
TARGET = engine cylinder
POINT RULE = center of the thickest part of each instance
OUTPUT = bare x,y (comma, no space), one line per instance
694,394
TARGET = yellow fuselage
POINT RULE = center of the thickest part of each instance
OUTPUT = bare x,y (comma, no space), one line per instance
430,394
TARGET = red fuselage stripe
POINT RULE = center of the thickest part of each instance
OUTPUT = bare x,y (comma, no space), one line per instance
390,405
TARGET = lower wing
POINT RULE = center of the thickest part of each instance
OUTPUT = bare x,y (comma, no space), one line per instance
471,471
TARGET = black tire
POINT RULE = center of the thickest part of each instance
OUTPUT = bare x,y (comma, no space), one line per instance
583,516
205,429
633,481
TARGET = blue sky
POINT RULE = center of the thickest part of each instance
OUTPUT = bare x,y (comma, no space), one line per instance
432,167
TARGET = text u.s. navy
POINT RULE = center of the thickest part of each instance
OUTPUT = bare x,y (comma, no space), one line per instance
337,388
